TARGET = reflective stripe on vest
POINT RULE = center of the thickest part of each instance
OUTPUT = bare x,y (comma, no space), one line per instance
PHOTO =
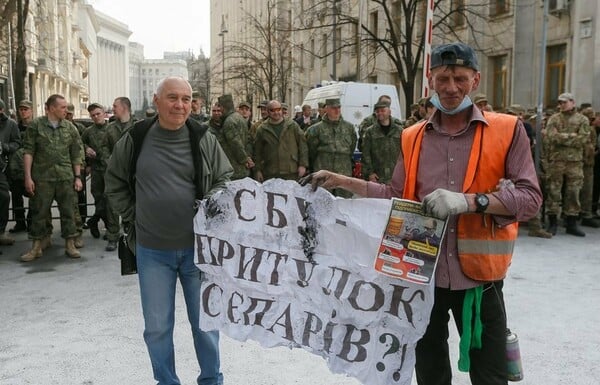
484,249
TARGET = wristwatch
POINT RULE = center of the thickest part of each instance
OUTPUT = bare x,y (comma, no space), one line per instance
482,202
77,177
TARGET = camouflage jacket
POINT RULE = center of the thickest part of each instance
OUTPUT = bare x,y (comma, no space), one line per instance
234,138
54,150
114,131
567,134
95,138
380,151
331,146
280,154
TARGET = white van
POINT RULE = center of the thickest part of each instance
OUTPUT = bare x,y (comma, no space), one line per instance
357,99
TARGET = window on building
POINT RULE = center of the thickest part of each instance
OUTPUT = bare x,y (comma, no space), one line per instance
156,71
374,25
499,7
500,81
458,13
144,71
556,70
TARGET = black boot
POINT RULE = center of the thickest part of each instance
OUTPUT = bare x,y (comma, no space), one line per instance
93,226
552,224
590,222
572,227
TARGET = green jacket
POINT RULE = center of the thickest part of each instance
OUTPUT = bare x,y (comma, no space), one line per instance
234,138
215,170
331,146
95,137
54,150
380,151
567,134
114,131
280,155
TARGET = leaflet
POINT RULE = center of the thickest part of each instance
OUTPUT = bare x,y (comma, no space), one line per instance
410,245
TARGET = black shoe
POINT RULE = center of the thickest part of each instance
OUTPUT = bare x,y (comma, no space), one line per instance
93,225
552,224
85,226
572,227
111,246
590,222
105,237
19,228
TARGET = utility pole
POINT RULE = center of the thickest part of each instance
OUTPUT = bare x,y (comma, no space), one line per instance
540,106
334,45
222,34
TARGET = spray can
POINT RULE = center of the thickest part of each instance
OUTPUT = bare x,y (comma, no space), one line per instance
514,365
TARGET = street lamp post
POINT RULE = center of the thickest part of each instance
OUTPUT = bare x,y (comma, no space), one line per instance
222,34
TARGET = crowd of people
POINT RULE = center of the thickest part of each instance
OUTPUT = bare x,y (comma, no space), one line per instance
460,159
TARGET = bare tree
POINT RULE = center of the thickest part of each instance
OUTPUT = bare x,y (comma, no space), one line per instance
263,62
399,30
15,13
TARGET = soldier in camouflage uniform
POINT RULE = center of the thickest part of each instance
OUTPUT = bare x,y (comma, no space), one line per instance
114,131
371,119
567,133
10,142
95,144
234,139
280,149
331,144
52,159
381,146
81,196
586,195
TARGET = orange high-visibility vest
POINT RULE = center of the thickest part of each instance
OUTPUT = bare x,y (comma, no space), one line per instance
484,248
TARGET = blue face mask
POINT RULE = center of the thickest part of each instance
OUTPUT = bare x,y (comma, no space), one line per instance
466,103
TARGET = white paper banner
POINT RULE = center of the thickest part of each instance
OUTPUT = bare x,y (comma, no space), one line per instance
287,266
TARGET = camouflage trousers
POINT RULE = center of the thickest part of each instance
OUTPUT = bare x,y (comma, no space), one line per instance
587,190
569,175
41,202
103,210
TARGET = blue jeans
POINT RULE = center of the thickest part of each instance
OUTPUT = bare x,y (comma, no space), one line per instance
158,271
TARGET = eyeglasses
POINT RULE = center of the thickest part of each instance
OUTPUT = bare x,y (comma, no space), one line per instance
275,109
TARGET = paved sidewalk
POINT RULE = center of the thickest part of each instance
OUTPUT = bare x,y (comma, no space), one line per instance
78,322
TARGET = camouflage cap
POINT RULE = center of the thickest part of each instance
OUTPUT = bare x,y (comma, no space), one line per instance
263,104
150,112
332,102
458,54
480,98
565,97
515,109
93,106
383,104
195,94
244,104
25,104
284,106
70,108
321,104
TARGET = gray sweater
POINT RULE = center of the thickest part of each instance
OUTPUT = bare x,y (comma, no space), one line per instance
165,190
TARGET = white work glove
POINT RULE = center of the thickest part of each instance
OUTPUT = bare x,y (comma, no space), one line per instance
441,203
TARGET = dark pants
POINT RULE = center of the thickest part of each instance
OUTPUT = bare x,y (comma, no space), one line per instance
82,197
17,192
488,364
4,201
596,188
